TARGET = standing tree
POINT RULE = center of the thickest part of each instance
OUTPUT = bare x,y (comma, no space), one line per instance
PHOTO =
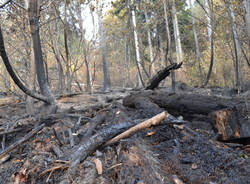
236,42
152,67
246,4
197,48
106,77
46,96
137,48
208,8
169,43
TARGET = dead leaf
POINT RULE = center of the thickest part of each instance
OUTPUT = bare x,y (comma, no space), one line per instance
98,165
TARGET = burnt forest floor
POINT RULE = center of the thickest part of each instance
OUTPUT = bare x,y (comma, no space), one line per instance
167,153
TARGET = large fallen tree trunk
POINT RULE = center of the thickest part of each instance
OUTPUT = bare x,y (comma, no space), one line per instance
230,117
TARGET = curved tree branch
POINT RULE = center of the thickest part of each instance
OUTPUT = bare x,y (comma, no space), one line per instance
14,76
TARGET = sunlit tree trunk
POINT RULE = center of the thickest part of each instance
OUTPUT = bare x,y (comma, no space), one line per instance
197,48
177,34
169,44
137,50
246,4
106,76
152,67
84,48
237,46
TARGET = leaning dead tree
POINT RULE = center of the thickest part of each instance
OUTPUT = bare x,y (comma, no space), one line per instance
14,76
161,75
47,97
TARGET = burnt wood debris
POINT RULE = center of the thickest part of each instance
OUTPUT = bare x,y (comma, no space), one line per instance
125,118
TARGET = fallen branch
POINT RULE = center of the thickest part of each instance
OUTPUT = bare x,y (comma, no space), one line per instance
21,141
93,142
145,124
11,131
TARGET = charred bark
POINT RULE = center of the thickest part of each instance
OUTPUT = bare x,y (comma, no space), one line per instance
14,76
229,117
161,75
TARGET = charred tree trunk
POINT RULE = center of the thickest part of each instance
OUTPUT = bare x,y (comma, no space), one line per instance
161,75
34,11
14,76
228,116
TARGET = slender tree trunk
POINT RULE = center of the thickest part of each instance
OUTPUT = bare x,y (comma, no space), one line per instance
152,67
54,46
137,51
61,83
68,77
34,14
126,60
197,48
246,4
177,34
210,26
161,49
237,47
106,77
85,53
30,101
169,44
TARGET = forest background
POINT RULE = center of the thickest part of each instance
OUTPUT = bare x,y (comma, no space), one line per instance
123,43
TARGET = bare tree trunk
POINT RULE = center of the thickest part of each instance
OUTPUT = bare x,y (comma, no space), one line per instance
32,81
127,61
161,49
197,48
152,67
137,51
34,14
85,53
65,32
237,47
106,77
210,26
177,34
54,39
246,4
61,79
169,45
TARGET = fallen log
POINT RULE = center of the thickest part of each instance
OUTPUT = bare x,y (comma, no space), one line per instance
161,75
229,117
180,102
